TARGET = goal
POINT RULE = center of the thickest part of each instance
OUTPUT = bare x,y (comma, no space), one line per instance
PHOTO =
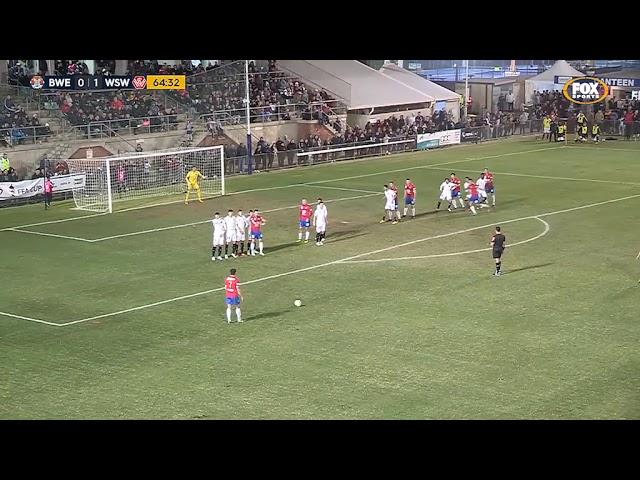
140,175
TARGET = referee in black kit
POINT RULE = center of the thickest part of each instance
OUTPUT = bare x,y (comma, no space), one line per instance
498,242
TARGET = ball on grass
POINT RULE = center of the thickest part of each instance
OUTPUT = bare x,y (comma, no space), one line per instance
297,303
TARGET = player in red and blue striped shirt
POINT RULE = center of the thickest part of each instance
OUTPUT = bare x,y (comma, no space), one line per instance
306,212
233,294
256,223
409,197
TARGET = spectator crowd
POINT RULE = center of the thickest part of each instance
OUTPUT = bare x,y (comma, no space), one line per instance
17,128
273,95
124,110
617,116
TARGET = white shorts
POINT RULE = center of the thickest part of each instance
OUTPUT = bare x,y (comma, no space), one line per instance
482,193
218,240
231,237
546,130
445,196
240,237
390,206
321,227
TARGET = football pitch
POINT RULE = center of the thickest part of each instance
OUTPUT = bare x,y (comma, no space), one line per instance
123,315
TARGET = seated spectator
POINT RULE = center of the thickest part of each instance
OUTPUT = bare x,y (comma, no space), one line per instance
62,168
37,174
17,135
11,175
9,104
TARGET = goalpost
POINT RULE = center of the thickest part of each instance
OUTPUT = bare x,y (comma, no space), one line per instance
140,175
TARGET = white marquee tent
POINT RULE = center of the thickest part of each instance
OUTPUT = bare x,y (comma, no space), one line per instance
449,100
561,71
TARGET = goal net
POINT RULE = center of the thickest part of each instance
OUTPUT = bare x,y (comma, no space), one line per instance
140,175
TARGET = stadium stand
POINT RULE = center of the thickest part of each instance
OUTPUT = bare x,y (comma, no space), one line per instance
121,110
17,127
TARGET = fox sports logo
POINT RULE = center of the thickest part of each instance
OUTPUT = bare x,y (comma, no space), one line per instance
585,90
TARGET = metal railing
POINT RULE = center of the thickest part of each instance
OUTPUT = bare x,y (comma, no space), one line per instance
458,73
29,135
290,111
126,126
504,129
619,128
298,157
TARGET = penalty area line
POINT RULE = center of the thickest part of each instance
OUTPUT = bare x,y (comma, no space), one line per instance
201,222
66,237
439,255
37,320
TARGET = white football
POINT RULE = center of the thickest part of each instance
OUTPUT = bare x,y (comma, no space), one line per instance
298,303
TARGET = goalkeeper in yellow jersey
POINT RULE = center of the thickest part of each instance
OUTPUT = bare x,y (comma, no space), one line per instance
192,184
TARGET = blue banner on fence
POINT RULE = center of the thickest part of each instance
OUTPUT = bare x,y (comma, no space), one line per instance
428,143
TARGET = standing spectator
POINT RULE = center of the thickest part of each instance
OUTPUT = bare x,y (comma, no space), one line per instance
190,130
291,148
146,171
599,117
524,118
554,130
516,124
510,100
241,153
628,124
280,149
4,163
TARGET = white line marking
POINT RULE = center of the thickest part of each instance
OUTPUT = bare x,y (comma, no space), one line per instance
549,177
160,229
54,221
48,235
516,153
20,317
346,189
376,260
334,262
430,165
589,206
606,148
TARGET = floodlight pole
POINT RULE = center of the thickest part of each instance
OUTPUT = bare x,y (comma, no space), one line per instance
248,114
466,90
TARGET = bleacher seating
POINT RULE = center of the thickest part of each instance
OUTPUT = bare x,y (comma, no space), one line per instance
116,108
17,128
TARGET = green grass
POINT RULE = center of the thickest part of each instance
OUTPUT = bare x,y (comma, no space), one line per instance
439,337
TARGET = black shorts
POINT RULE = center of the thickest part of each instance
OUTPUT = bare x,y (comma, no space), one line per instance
48,197
497,253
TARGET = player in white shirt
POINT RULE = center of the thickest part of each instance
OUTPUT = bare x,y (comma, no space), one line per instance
230,236
320,220
242,223
481,182
390,205
445,193
219,230
395,191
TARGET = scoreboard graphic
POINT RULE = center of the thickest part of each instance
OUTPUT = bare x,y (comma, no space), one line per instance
110,82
